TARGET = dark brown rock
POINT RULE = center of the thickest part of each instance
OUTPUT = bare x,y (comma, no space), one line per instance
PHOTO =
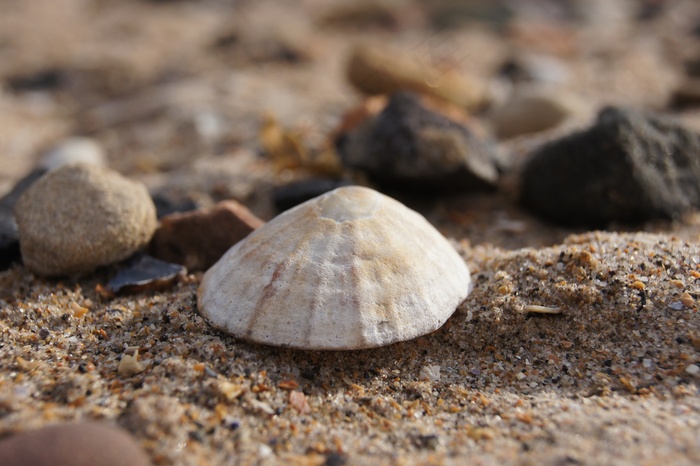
413,145
197,239
78,444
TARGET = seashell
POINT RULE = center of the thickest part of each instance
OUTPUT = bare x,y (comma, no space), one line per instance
349,269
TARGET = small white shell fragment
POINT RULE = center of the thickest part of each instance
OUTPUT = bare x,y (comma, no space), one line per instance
74,150
347,270
431,373
129,365
542,309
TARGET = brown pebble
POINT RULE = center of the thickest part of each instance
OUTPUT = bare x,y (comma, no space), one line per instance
199,238
378,69
78,444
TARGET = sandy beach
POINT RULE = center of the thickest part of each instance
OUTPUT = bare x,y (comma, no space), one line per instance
177,93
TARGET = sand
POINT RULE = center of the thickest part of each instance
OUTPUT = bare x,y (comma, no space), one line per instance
611,379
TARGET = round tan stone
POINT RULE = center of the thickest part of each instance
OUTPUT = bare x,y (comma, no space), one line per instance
80,217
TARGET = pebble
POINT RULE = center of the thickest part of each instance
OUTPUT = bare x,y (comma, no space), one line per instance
146,273
80,217
377,69
74,150
411,145
170,203
292,194
627,167
531,110
76,444
450,14
535,68
68,151
197,239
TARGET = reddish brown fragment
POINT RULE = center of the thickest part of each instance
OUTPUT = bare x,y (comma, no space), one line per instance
198,239
288,385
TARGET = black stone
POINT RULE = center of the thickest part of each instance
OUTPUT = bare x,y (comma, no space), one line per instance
410,146
287,196
144,273
167,204
9,238
628,167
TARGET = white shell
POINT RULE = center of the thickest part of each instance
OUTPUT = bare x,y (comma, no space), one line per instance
347,270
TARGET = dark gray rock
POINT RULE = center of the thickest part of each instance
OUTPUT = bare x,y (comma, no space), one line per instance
627,167
409,145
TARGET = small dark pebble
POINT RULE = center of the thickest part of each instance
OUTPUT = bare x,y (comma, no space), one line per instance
447,15
335,459
272,48
44,333
413,147
145,273
429,442
9,237
167,204
287,196
44,80
628,167
648,10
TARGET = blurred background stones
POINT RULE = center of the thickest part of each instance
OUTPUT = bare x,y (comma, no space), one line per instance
229,112
205,101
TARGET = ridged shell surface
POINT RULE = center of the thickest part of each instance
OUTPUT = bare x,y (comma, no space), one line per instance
350,269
